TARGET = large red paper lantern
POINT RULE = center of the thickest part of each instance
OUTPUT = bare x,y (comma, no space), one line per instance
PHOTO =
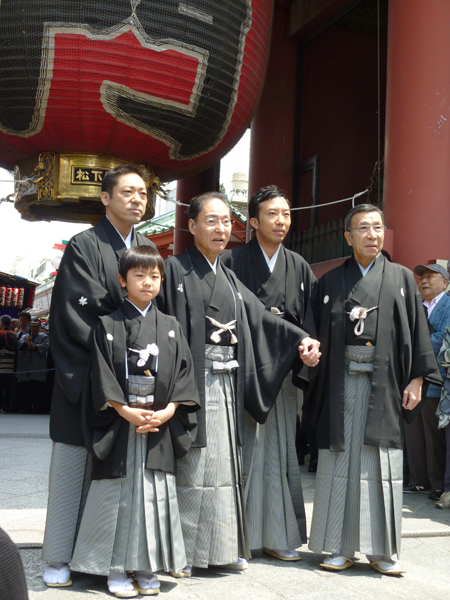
89,84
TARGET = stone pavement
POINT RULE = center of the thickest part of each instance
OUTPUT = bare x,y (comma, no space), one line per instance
25,450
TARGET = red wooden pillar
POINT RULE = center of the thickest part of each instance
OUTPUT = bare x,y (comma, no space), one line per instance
272,132
417,154
188,188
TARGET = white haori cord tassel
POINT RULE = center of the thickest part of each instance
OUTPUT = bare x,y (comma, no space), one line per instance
360,313
215,336
145,353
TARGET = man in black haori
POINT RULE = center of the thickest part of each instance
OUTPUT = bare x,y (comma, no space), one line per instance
86,287
241,354
283,281
376,353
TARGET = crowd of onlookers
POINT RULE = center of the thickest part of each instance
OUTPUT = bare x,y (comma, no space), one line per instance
26,373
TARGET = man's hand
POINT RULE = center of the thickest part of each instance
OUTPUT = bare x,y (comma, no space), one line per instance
413,393
309,352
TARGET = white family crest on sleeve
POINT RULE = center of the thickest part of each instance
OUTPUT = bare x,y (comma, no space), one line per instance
109,337
82,301
326,299
171,333
402,292
180,288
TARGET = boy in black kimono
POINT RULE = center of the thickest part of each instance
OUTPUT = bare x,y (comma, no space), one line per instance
141,372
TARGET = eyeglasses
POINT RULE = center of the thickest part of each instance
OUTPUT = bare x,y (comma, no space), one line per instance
214,221
378,229
430,276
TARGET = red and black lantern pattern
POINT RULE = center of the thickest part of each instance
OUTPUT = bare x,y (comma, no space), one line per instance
173,84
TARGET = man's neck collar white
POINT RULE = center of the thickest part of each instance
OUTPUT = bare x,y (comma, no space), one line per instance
213,265
143,312
364,271
127,240
270,261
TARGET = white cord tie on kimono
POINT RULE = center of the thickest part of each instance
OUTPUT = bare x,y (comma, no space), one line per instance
222,367
276,311
360,313
145,353
215,336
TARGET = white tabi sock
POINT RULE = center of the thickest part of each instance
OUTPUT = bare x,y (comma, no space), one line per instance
56,572
120,582
146,580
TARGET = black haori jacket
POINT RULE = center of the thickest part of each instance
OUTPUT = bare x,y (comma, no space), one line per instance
86,287
266,350
403,352
105,431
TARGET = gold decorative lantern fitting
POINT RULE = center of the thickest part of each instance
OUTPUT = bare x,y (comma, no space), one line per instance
67,187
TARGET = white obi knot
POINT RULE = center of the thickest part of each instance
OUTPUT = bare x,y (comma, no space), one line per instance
222,367
145,353
215,336
359,313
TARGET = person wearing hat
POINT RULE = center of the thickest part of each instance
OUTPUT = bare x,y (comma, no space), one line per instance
425,443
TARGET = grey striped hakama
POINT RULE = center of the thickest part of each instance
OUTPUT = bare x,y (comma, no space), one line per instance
131,523
69,479
209,480
358,495
273,490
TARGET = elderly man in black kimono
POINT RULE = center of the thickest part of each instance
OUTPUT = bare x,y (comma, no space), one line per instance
241,356
86,287
376,353
283,281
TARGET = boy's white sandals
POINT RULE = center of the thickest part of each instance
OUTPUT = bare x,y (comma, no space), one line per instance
57,575
122,586
147,584
186,572
240,565
336,562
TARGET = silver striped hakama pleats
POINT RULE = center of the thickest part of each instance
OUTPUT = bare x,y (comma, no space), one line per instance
209,480
273,490
358,495
69,479
131,523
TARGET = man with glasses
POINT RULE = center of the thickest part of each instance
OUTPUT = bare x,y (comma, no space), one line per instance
241,355
425,443
376,350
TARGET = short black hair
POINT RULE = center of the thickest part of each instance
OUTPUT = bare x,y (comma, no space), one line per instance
361,208
196,205
144,257
111,179
26,314
6,320
262,195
